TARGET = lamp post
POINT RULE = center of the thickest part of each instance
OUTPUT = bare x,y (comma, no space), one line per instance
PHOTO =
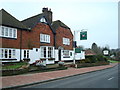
74,41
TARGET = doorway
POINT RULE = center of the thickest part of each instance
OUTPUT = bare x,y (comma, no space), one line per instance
59,54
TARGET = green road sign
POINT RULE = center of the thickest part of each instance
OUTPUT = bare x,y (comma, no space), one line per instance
83,35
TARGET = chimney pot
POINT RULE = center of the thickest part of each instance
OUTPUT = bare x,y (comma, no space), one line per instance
44,9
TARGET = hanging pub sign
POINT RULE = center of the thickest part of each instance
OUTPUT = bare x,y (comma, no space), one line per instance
83,35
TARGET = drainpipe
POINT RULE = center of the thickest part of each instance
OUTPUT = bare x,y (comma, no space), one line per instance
21,45
54,44
55,40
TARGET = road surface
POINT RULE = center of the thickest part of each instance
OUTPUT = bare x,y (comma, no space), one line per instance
107,78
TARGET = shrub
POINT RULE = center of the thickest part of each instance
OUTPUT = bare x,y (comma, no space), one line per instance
101,58
13,72
87,60
82,61
93,59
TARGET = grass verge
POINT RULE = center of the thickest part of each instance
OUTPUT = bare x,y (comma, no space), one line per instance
13,65
113,61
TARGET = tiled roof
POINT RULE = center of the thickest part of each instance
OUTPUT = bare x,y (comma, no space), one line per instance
58,23
89,53
9,20
32,21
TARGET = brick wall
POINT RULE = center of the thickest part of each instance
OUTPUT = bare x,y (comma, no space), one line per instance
11,43
30,39
35,35
63,32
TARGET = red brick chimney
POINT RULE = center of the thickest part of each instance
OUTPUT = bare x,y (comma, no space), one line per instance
48,14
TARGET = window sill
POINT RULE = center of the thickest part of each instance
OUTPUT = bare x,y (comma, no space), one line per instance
45,42
8,38
7,59
51,58
42,59
67,57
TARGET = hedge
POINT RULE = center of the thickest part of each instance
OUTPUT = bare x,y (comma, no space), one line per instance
29,70
14,72
92,64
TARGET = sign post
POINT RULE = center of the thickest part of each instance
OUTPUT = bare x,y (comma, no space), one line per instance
83,36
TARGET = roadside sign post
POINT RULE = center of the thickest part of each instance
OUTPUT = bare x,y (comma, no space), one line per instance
83,36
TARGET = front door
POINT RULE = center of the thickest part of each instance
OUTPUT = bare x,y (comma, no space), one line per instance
59,54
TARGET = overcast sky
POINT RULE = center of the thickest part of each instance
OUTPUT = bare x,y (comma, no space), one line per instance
99,17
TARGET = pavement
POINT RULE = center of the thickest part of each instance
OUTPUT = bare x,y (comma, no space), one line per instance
9,82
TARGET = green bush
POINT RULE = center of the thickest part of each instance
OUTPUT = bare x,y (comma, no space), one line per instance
87,60
99,63
93,59
101,58
82,61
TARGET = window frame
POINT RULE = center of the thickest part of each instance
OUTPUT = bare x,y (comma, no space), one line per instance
66,54
47,52
8,32
44,38
43,52
10,53
7,53
26,54
66,41
50,52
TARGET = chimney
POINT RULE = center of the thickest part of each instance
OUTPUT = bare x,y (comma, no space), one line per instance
48,14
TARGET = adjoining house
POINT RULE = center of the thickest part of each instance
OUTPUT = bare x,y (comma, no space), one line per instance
36,38
31,39
11,31
63,42
89,53
41,39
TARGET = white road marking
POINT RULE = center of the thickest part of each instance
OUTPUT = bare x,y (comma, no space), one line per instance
111,78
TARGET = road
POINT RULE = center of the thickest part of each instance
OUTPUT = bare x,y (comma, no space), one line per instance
107,78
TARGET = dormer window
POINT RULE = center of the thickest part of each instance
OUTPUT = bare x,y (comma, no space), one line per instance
42,20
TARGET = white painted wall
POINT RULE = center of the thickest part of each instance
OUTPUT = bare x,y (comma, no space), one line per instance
50,61
80,56
34,55
66,59
56,55
18,54
62,56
